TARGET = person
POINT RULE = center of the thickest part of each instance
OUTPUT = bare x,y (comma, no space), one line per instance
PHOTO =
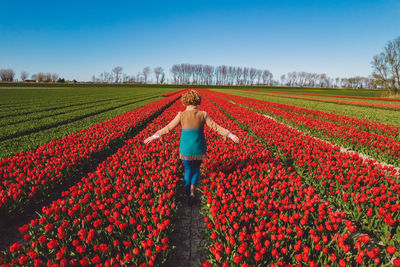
192,142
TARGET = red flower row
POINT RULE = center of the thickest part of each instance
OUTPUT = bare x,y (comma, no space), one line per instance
378,146
367,192
338,96
260,213
348,102
364,125
179,92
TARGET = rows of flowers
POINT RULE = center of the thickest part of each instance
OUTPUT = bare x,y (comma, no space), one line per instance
347,102
377,146
364,125
337,96
32,174
178,92
119,214
259,213
367,192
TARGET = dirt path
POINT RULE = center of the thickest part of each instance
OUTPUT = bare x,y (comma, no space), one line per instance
188,236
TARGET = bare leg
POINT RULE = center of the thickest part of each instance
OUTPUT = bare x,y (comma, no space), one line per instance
192,190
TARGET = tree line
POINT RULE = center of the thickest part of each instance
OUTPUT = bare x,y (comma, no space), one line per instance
118,76
220,75
309,79
199,74
8,75
385,75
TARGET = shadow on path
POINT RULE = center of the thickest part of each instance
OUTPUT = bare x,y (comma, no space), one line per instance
188,236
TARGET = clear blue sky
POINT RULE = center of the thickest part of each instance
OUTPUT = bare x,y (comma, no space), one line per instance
80,38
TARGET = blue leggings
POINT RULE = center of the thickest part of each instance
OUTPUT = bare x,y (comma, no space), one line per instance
192,171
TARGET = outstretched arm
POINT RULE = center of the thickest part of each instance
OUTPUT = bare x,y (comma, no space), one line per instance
165,130
220,130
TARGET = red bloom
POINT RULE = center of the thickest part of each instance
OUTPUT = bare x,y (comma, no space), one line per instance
96,259
84,261
42,239
238,258
364,238
128,257
80,249
23,259
52,244
15,247
391,250
23,229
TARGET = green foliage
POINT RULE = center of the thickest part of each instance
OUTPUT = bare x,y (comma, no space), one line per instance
368,113
30,118
327,91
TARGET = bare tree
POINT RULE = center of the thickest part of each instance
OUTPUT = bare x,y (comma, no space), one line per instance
7,75
139,77
54,77
174,71
117,72
231,75
267,77
24,75
157,72
146,71
162,78
386,67
132,79
259,75
337,82
47,77
125,78
40,77
239,74
208,74
245,75
283,79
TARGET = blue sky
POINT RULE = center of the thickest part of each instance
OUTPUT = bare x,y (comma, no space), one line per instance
78,39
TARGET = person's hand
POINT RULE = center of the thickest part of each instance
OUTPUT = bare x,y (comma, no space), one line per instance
233,137
151,138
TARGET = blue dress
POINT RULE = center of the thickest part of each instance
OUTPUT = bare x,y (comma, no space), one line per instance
192,144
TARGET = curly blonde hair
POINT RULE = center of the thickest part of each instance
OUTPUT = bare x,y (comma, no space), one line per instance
191,98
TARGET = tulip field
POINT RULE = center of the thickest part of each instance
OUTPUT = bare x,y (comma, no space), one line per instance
31,117
286,195
367,113
358,101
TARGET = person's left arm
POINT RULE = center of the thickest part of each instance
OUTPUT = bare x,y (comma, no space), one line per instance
220,130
